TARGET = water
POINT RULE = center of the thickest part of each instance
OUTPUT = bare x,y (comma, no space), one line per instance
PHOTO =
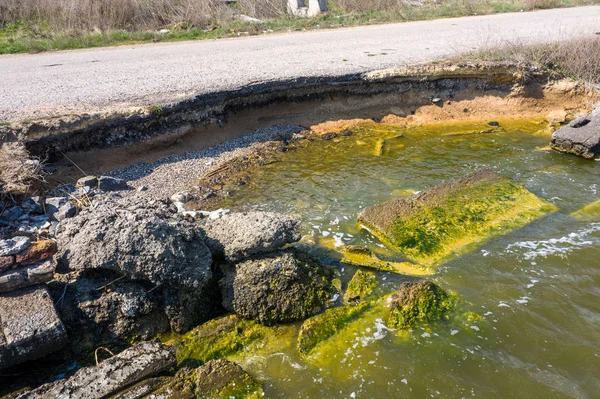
537,289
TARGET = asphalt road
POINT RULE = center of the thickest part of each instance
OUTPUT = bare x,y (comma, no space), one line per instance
112,78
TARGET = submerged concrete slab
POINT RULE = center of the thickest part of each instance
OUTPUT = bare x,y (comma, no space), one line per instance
580,137
454,217
29,326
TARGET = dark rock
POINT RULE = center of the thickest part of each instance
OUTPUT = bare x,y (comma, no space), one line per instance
14,245
580,137
239,235
27,275
12,214
110,376
29,326
87,181
148,244
280,287
59,208
107,183
493,123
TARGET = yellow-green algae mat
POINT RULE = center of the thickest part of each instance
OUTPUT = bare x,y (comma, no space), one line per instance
453,218
589,213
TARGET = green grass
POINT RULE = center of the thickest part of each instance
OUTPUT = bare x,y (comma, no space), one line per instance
37,36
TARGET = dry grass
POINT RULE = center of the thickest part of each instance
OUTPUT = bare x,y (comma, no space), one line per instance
19,173
576,58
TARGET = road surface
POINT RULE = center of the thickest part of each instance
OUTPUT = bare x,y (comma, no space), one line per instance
34,86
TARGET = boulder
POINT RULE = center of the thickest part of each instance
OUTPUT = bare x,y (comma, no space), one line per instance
25,276
239,235
110,376
216,379
580,137
59,208
417,303
360,286
14,245
107,183
144,243
29,326
280,287
435,224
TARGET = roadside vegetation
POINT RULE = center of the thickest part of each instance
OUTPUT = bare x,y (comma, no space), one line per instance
39,25
576,58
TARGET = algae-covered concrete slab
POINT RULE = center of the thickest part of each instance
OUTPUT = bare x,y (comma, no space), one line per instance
454,217
589,213
359,255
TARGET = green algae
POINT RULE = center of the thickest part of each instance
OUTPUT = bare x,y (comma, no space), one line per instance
227,337
589,213
419,303
360,286
453,217
321,327
362,256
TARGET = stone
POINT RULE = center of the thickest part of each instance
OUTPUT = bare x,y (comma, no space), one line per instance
279,287
239,235
181,197
436,224
13,246
87,181
12,214
245,18
142,188
98,308
111,375
60,208
38,251
556,117
359,255
418,303
148,244
107,183
360,286
29,326
25,276
6,262
580,137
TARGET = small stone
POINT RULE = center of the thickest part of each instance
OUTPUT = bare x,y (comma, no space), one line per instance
181,197
37,252
142,188
436,100
26,276
12,214
59,208
33,205
87,181
107,183
14,245
494,123
346,132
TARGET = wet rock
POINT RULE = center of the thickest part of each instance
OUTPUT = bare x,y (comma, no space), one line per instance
416,303
147,244
361,285
280,287
13,246
87,181
29,326
25,276
110,376
433,225
59,208
359,255
580,137
238,235
37,252
107,183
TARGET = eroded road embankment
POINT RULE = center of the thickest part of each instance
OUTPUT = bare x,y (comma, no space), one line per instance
119,78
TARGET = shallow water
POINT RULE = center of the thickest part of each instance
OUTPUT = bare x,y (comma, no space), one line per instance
537,289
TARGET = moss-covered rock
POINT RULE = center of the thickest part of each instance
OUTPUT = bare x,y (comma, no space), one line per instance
417,303
228,337
453,217
323,326
589,213
279,287
359,255
360,286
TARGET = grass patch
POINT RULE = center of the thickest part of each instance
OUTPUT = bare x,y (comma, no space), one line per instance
42,25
